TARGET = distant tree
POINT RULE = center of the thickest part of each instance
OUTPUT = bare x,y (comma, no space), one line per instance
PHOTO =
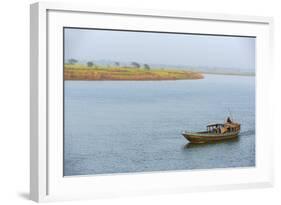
135,65
90,64
72,61
117,64
146,67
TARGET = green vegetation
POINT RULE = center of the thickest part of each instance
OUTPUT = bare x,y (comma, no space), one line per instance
72,61
90,72
146,67
90,64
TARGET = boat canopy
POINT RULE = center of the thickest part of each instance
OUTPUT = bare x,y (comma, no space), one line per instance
215,125
223,128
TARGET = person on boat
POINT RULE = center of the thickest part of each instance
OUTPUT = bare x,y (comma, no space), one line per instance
228,120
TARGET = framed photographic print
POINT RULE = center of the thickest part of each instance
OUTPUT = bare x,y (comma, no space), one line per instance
130,102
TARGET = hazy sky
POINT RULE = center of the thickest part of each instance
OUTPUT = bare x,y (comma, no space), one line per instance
160,48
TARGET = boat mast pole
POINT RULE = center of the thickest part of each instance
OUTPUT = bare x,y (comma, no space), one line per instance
230,114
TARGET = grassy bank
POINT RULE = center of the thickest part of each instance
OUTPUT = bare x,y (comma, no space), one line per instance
83,72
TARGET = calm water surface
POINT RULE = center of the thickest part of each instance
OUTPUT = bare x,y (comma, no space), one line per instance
135,126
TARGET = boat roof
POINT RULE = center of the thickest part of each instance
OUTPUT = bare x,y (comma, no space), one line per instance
233,124
216,124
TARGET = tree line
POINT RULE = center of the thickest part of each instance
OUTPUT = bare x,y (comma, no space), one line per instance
133,64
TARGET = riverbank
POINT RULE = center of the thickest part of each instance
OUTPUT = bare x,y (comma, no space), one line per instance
83,72
225,73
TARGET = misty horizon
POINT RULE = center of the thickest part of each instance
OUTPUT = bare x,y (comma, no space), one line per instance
160,49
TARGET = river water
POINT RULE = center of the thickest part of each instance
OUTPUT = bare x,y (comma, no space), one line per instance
135,126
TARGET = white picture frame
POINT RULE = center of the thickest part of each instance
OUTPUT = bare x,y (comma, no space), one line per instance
46,179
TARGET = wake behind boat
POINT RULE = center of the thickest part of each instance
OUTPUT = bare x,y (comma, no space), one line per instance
215,132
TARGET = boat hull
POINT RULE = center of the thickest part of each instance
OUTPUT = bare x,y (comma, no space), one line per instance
205,137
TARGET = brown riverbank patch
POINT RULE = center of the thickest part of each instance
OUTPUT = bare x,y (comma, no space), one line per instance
81,72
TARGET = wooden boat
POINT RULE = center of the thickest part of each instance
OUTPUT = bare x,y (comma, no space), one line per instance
214,133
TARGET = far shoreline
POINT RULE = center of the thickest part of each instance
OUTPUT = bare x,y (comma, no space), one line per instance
231,74
78,72
82,72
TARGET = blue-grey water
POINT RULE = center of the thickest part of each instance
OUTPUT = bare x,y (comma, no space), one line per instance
135,126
